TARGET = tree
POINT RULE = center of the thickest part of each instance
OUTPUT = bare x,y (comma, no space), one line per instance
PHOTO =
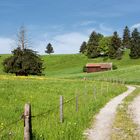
49,49
135,44
126,38
104,44
83,47
93,44
22,40
23,61
115,50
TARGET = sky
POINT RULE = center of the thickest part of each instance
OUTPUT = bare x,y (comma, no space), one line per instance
63,23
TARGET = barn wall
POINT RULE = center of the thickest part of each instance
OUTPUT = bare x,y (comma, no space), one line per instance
96,69
92,69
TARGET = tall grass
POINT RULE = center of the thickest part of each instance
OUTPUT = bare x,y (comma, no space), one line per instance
44,95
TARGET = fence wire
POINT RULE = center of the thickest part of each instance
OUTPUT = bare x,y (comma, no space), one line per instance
56,107
10,124
40,114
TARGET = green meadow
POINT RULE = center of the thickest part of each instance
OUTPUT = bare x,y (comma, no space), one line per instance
43,94
63,75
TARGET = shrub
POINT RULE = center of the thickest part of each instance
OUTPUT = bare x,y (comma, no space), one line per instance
114,67
23,62
84,69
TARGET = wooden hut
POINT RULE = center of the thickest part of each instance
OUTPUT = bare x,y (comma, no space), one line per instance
97,67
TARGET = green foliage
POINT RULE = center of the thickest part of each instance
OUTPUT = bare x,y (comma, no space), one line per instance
115,47
84,69
135,44
93,44
49,49
126,38
104,44
23,62
114,67
83,47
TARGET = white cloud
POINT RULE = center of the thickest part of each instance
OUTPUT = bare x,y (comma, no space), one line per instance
86,23
135,26
6,45
64,43
103,29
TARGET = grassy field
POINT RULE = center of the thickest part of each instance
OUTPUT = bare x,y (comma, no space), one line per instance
63,76
43,94
71,66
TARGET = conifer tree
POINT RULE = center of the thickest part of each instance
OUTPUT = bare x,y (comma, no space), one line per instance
93,44
24,61
83,47
49,49
126,38
135,44
115,46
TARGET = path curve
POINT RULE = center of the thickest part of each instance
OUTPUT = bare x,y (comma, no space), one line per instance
104,120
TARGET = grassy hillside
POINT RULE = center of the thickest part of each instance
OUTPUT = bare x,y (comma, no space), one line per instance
62,65
72,65
63,75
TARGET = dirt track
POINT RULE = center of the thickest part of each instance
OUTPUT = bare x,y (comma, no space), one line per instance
102,127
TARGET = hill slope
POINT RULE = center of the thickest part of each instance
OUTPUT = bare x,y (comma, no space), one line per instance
71,66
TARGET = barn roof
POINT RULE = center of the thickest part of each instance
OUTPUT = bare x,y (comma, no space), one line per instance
102,65
92,65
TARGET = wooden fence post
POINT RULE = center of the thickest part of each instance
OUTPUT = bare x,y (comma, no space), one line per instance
76,103
27,122
61,109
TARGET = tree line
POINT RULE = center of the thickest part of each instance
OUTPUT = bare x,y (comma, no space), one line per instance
25,61
112,46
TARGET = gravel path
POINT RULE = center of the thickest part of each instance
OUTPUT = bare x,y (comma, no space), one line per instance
134,109
103,124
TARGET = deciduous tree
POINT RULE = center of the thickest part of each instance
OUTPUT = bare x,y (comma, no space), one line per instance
104,44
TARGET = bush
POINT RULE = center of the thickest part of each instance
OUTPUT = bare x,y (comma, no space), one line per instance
84,69
23,62
114,67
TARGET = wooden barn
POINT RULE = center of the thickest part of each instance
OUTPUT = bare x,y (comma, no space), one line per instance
97,67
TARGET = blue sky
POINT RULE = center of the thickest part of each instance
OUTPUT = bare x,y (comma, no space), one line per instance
64,23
